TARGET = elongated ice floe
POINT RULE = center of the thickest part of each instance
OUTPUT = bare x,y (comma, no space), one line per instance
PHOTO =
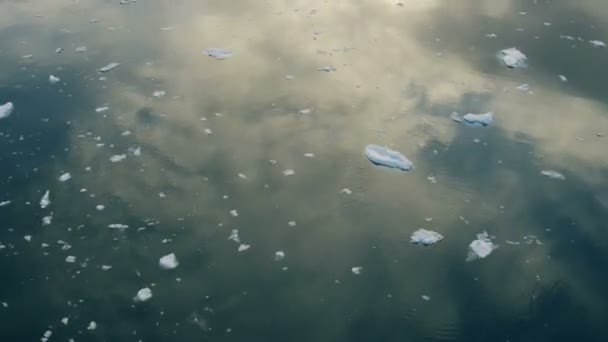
45,201
219,53
357,270
479,119
102,109
118,226
384,156
234,236
143,295
513,58
65,177
279,255
481,248
109,67
243,247
425,237
53,79
597,43
553,174
6,110
118,158
168,262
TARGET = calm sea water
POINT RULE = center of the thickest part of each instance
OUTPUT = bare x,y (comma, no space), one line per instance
191,148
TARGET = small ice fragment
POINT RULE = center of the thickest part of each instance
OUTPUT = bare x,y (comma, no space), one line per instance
512,58
289,77
81,49
234,213
70,259
491,35
6,110
65,177
102,109
45,201
59,50
27,238
382,155
47,220
45,337
243,247
456,117
207,131
109,67
481,247
234,236
563,78
327,68
242,176
309,155
288,172
92,326
305,111
479,119
346,191
168,262
524,87
118,226
357,270
167,28
553,174
118,157
563,36
291,223
53,79
425,237
279,255
162,195
136,151
425,297
159,93
597,43
218,53
143,295
428,219
100,207
5,203
106,267
65,320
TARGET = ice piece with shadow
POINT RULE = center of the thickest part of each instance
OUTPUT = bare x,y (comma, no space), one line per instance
168,262
109,67
597,43
327,68
384,156
219,53
479,120
553,174
425,237
481,248
45,201
513,58
6,110
53,79
143,295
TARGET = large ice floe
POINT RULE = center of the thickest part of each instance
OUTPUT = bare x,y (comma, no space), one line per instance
425,237
384,156
513,58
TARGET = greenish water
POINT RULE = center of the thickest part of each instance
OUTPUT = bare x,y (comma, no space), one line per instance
216,149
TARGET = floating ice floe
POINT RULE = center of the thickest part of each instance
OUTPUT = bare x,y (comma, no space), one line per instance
81,49
159,93
563,78
456,117
102,109
168,262
118,158
243,247
65,321
70,259
553,174
305,111
481,248
426,298
45,337
53,79
597,43
425,237
288,172
491,35
219,53
5,203
524,87
47,220
309,155
65,177
45,201
108,67
512,57
234,236
106,267
59,50
291,223
327,68
6,110
384,156
143,295
136,151
92,326
27,238
234,213
479,120
118,226
279,255
346,191
357,270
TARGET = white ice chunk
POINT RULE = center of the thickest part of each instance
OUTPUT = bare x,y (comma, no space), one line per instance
143,295
425,297
159,93
288,172
65,177
243,247
81,49
47,220
346,191
92,326
456,117
118,158
425,237
563,78
45,201
106,267
524,87
357,270
27,238
234,213
65,321
53,79
309,155
553,174
218,53
327,68
382,155
6,110
5,203
70,259
481,248
118,226
109,67
102,109
597,43
279,255
234,236
512,57
168,262
291,223
479,119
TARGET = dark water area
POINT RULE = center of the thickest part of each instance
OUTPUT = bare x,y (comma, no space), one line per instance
248,165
